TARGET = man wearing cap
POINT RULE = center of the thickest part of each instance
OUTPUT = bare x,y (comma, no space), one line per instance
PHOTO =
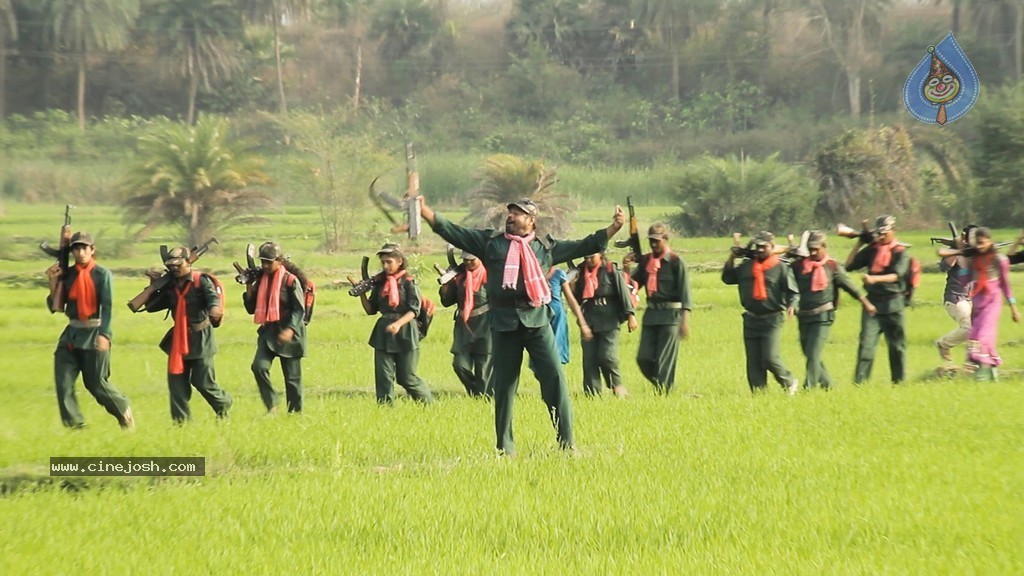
516,260
768,294
395,338
195,302
956,297
601,290
471,339
662,273
819,279
84,345
275,299
887,262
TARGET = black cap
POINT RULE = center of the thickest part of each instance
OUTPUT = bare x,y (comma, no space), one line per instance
81,238
763,238
389,248
816,239
526,205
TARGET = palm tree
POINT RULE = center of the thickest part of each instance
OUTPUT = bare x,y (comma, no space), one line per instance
202,36
274,11
190,176
83,28
504,178
672,23
8,35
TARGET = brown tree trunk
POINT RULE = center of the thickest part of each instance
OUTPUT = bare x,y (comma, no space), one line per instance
193,89
282,104
359,74
80,103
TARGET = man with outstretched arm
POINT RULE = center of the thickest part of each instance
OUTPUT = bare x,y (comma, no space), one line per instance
516,260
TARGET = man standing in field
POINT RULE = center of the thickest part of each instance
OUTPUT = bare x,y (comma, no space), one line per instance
887,262
190,345
518,294
667,318
471,339
604,297
274,297
768,294
819,279
84,345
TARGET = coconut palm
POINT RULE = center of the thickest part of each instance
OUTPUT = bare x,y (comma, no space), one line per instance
201,36
85,28
504,178
192,177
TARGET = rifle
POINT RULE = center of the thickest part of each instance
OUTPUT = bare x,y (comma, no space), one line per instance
409,204
950,242
157,284
798,251
251,272
749,251
454,268
866,236
62,253
367,283
633,242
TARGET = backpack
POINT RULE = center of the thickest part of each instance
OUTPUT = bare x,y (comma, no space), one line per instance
216,286
309,292
425,317
912,278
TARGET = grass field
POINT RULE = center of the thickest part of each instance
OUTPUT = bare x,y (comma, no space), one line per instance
923,478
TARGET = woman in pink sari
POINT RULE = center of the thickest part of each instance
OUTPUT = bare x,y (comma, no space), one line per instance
991,272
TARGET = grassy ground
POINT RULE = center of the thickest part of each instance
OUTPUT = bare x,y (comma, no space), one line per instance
924,478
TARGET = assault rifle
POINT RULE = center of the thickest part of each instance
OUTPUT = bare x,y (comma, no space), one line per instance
367,283
62,253
633,242
454,268
750,251
409,204
251,272
952,241
157,284
866,236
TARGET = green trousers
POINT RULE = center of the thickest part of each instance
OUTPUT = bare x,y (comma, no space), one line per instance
389,367
657,355
94,366
539,343
199,373
813,336
291,368
601,359
761,341
870,327
475,371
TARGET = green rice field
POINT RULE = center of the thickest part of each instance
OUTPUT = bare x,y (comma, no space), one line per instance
921,478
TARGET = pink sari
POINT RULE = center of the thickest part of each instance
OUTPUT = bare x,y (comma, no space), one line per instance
987,306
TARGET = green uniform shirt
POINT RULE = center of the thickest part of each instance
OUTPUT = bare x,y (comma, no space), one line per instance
887,297
611,304
509,307
673,286
408,336
292,310
85,338
198,303
837,279
475,331
779,284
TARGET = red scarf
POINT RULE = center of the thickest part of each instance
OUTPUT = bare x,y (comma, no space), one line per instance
83,291
179,334
590,282
759,267
883,256
390,289
268,302
474,280
981,263
652,267
520,255
819,278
